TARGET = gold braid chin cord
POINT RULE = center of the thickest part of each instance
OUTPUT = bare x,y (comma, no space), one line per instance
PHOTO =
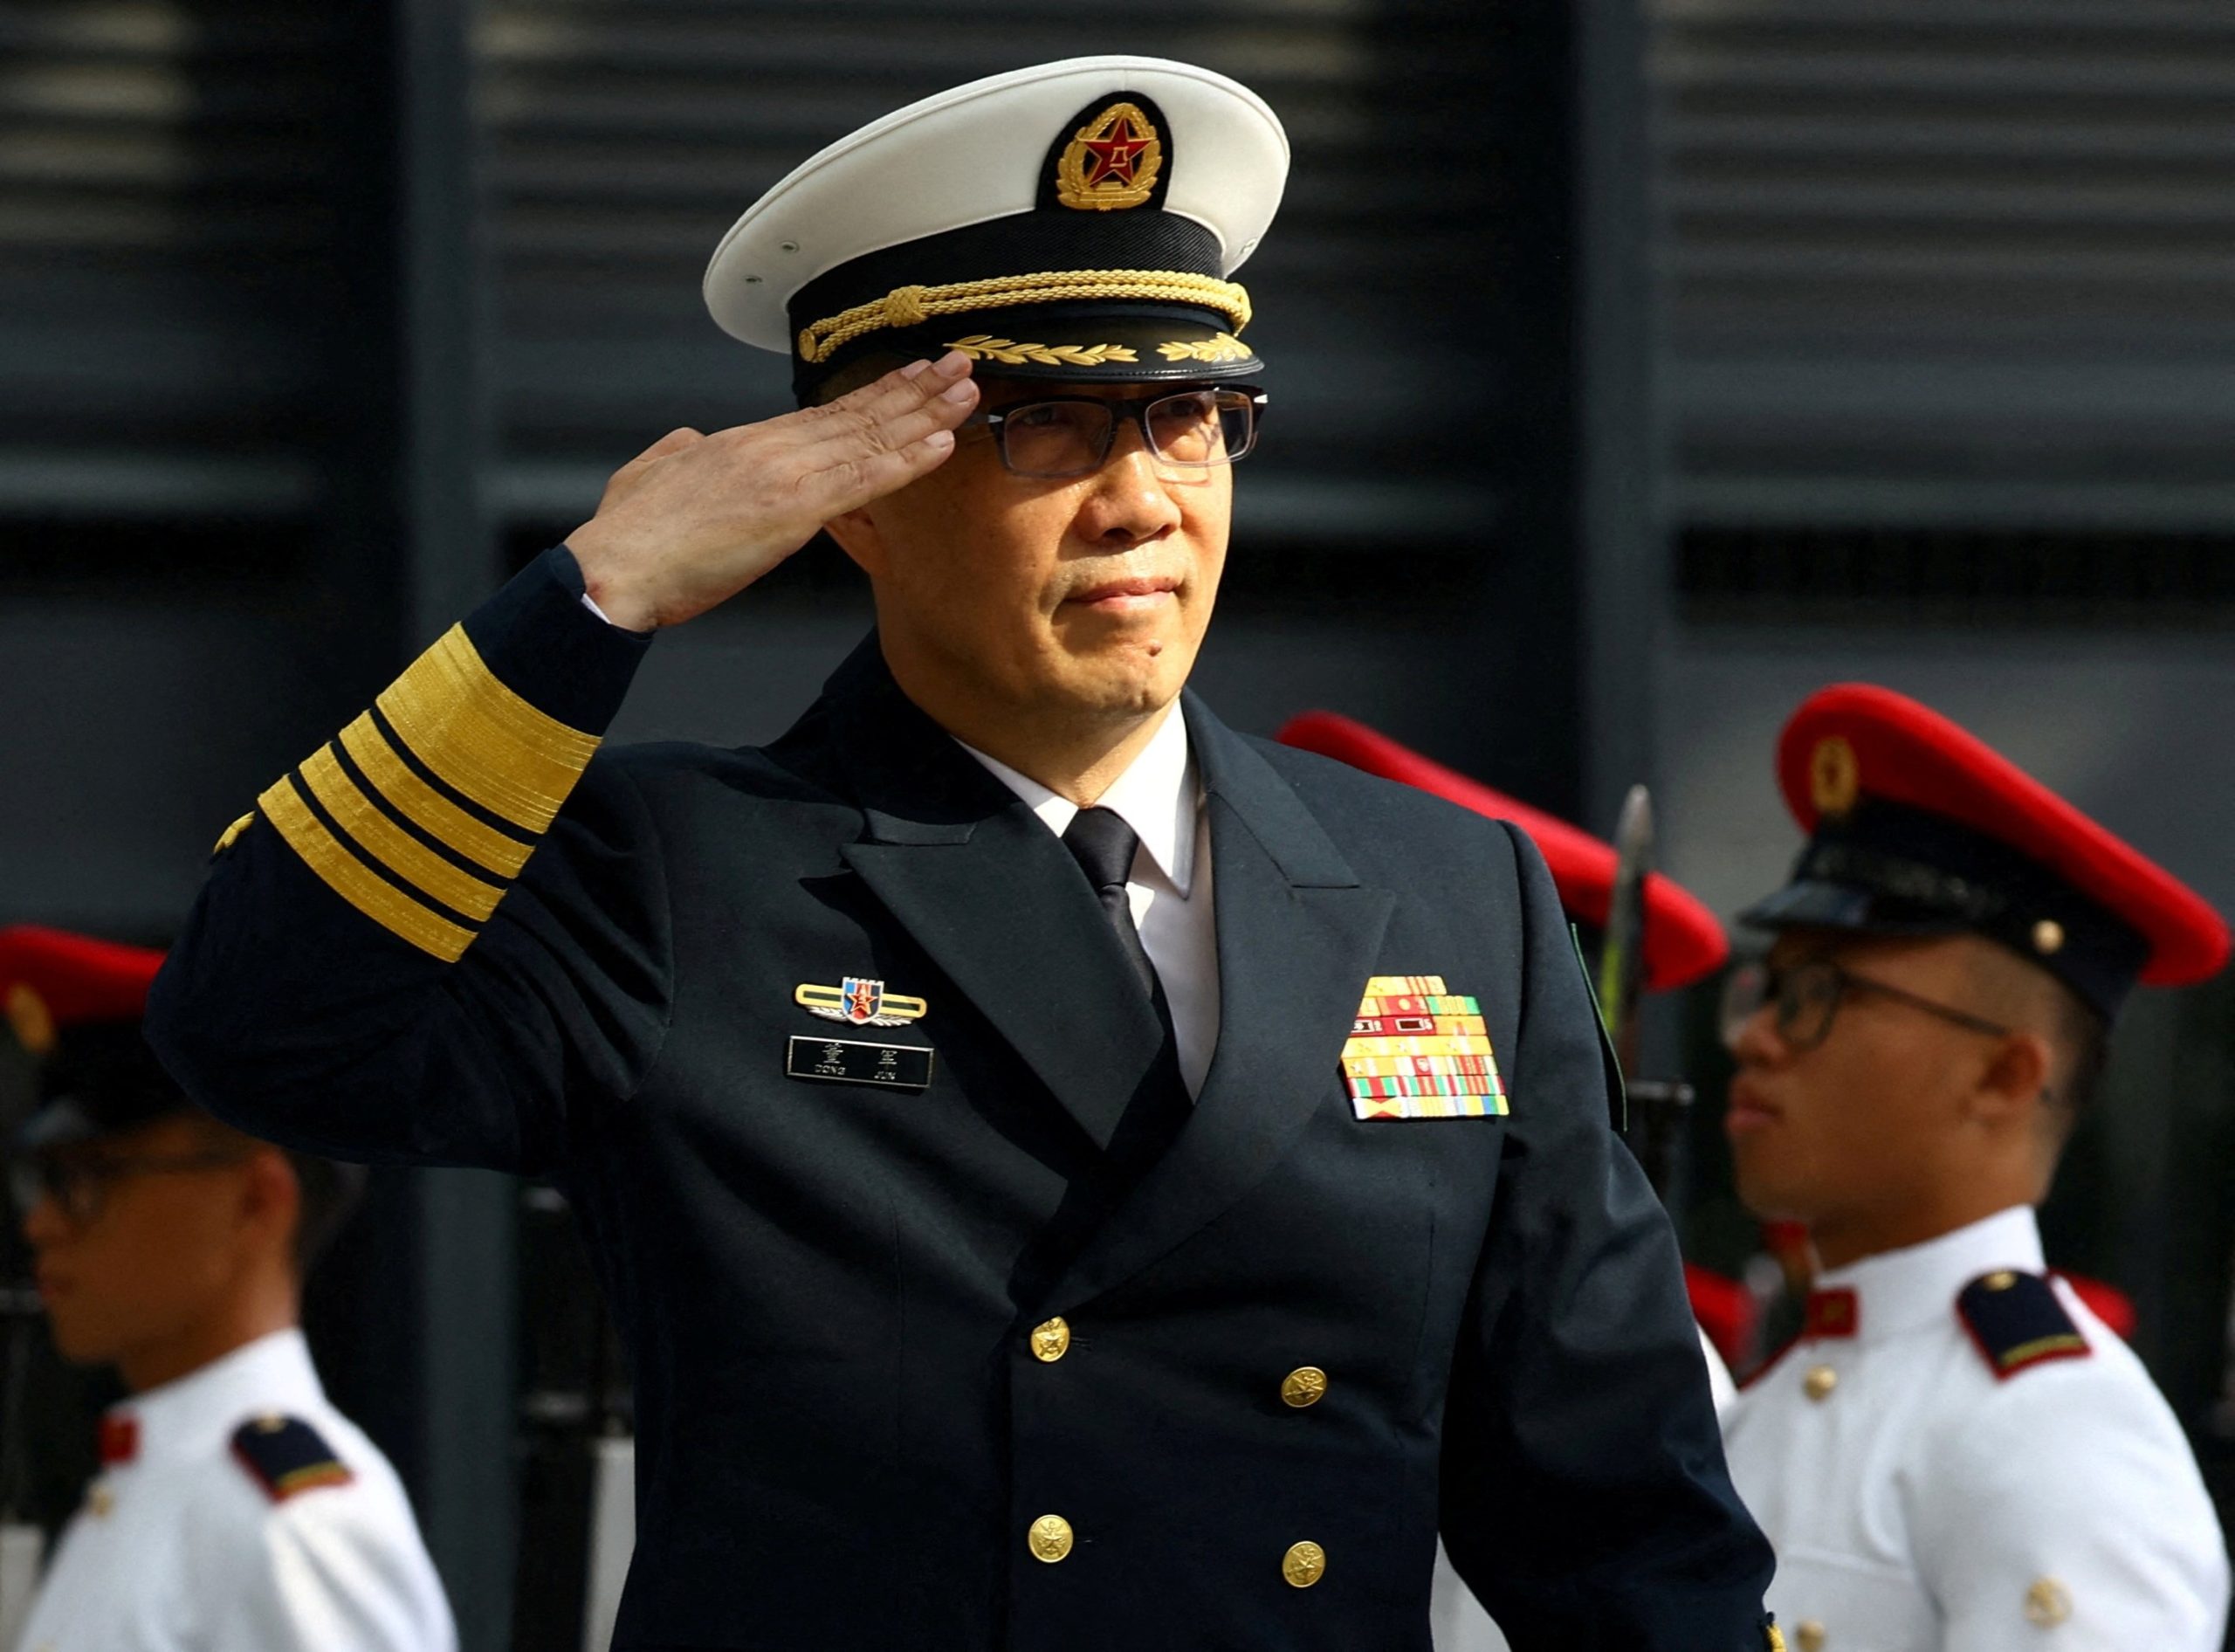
913,305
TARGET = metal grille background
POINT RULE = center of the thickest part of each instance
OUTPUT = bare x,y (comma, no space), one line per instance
165,242
1940,263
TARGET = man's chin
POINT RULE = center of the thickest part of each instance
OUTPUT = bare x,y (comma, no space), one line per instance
80,1344
1128,682
1767,1195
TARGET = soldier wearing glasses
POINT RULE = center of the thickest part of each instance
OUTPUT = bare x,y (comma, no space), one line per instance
234,1507
1955,1456
1069,1176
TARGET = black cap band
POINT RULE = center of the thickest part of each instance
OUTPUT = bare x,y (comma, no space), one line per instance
1889,869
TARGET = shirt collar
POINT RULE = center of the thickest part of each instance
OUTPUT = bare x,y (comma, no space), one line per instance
195,1414
1157,796
1897,1291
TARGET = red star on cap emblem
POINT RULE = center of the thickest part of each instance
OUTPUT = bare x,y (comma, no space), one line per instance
1116,155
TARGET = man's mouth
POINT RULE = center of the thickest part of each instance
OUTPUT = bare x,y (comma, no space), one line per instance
1125,596
1750,1111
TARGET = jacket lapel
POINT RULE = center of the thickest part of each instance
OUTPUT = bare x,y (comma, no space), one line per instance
991,895
1297,937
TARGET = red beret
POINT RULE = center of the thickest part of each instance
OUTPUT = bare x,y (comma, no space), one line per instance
1683,941
51,979
76,1003
1856,744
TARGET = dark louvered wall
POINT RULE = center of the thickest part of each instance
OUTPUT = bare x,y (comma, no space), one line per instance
166,248
1950,305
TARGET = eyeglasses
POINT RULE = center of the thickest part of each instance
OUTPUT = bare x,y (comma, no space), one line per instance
78,1184
1808,995
1065,436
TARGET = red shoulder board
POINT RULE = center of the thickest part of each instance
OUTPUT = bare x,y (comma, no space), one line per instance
2015,1322
286,1456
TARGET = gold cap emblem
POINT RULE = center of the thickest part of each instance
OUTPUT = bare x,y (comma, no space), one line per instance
29,1018
1834,775
1304,1563
1111,162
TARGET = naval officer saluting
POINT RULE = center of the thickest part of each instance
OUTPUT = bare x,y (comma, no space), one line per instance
1068,1175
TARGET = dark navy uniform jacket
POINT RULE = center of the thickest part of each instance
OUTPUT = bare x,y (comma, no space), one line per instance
828,1290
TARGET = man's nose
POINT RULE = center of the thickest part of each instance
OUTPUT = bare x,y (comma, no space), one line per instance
1131,499
1754,1042
43,1224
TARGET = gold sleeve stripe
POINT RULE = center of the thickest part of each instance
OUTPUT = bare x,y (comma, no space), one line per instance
391,845
232,833
427,808
482,738
355,882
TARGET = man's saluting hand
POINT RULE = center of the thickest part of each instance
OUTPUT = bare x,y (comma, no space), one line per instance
693,519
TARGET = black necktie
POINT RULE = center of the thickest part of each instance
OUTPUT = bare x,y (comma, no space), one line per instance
1103,846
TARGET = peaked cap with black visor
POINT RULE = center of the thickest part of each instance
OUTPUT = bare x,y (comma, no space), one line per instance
1076,220
74,1004
1918,828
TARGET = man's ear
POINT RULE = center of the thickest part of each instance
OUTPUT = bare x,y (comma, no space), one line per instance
271,1200
2016,1077
857,536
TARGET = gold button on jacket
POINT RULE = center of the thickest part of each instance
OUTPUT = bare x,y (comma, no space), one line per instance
1050,1537
1051,1340
1304,1563
2047,1603
1303,1387
1819,1382
1809,1635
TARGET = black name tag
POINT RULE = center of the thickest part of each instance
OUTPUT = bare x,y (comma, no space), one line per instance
849,1061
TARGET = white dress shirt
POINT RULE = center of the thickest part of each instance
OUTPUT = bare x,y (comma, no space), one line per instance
1161,798
179,1548
1919,1505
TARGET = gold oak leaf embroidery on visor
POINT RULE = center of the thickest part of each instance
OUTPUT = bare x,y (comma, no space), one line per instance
985,347
483,745
1220,347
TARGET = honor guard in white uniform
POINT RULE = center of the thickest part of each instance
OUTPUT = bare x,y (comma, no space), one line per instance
1684,943
1956,1455
236,1510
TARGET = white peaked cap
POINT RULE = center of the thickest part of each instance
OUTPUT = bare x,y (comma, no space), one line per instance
984,152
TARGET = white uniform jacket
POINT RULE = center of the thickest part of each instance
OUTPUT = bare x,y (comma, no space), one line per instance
1932,1483
189,1539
